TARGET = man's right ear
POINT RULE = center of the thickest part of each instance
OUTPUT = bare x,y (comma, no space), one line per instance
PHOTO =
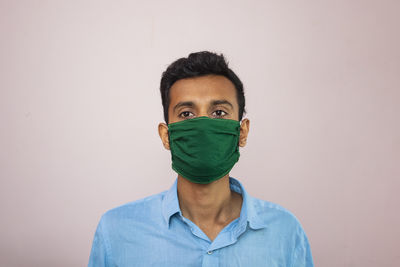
164,134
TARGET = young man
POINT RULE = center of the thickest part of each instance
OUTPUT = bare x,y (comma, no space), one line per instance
206,218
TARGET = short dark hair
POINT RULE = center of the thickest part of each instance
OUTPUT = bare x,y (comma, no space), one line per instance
195,65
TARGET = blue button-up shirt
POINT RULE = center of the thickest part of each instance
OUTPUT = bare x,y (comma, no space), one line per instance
153,232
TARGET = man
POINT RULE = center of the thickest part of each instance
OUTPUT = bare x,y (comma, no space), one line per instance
206,218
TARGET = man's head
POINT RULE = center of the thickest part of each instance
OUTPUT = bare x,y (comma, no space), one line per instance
197,65
201,85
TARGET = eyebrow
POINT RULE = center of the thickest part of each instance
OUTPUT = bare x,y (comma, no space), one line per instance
192,104
184,104
221,102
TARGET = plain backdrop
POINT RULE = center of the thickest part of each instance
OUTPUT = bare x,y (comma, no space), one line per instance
80,105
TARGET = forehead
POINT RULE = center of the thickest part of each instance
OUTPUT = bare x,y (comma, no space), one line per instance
202,89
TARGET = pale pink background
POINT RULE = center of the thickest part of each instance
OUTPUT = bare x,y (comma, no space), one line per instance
79,108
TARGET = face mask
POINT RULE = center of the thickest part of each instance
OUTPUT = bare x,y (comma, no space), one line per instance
204,150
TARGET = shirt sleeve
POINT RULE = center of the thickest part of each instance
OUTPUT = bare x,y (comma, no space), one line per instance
302,252
99,252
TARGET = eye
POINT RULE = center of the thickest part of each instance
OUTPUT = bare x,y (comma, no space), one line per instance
186,114
220,113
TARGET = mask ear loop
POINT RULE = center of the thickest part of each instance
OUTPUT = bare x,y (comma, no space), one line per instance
169,139
240,127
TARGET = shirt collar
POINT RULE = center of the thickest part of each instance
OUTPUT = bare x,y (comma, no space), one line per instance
248,213
170,203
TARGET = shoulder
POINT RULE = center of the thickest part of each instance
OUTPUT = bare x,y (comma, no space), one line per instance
273,215
140,208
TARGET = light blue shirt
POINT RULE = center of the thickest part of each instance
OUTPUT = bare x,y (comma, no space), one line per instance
153,232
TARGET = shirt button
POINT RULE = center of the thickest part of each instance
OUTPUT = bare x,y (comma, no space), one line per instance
209,252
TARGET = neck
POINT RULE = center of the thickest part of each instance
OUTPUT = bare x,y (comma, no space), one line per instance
208,204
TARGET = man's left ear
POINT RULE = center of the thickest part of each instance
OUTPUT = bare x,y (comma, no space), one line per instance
244,131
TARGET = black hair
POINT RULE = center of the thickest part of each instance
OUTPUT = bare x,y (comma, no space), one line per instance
195,65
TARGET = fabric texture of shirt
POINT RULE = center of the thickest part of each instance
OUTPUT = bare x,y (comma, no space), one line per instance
153,232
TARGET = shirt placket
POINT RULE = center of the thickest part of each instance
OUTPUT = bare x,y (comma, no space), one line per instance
227,236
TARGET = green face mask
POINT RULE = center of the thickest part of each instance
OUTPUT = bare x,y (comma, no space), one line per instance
203,149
